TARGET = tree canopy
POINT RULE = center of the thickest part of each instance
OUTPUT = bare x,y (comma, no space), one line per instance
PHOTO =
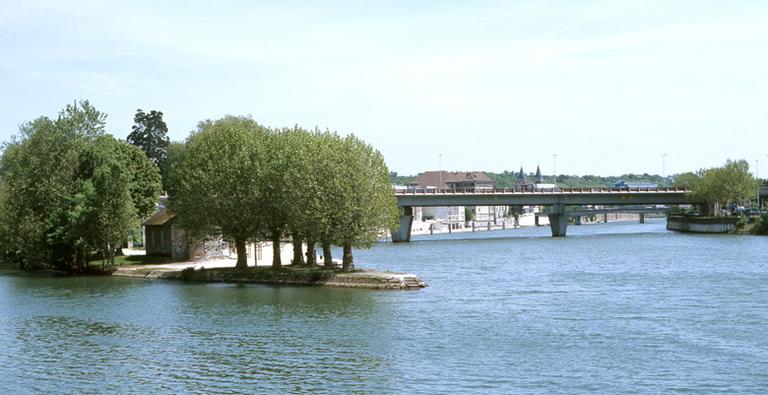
150,133
215,178
729,184
69,190
256,183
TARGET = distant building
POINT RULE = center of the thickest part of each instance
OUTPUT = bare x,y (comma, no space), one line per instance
455,216
452,180
537,184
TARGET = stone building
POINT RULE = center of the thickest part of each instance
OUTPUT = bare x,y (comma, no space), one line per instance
164,237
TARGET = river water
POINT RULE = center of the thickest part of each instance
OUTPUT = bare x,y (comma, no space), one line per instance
612,308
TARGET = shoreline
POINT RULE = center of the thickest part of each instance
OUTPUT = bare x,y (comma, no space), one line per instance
287,275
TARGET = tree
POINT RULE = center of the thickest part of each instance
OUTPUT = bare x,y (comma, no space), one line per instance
302,193
687,180
150,133
60,212
272,210
368,204
722,186
515,212
174,157
115,186
216,180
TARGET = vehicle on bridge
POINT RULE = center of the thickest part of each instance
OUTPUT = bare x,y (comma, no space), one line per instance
634,184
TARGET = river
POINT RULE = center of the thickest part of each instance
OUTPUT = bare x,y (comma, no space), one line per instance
612,308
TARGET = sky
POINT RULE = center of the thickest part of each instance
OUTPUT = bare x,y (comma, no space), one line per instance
589,87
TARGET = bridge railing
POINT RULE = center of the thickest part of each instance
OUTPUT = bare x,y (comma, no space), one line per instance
490,191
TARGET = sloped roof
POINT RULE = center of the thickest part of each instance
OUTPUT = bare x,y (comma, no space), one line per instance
521,174
440,179
160,218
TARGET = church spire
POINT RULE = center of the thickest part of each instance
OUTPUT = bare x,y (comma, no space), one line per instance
539,177
521,177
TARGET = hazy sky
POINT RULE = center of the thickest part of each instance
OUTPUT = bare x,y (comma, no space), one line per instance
608,86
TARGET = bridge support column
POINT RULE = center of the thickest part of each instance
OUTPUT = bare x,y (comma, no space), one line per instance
403,234
536,219
605,218
578,220
642,218
558,222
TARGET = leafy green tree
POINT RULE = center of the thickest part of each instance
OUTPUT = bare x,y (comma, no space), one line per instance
150,133
302,192
115,185
469,213
721,186
515,212
368,205
216,181
272,210
687,180
60,212
312,190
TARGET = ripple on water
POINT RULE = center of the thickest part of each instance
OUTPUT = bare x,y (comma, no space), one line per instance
617,308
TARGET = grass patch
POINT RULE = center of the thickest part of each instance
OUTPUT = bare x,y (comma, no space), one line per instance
123,260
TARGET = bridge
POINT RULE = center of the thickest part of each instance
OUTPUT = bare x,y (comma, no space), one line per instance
578,214
556,198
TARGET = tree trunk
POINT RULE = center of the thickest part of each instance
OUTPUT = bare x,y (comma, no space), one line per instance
347,262
327,258
298,254
311,258
276,262
242,254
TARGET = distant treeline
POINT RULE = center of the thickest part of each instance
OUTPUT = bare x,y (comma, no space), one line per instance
508,179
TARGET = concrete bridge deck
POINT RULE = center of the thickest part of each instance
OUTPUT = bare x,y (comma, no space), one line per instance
557,198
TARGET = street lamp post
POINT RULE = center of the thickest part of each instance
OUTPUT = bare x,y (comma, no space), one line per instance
554,169
664,165
440,170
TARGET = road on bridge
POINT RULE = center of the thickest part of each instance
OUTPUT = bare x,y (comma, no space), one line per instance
558,198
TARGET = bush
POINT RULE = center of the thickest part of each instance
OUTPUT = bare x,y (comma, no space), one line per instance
761,226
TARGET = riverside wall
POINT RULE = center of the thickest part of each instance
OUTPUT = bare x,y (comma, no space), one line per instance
694,224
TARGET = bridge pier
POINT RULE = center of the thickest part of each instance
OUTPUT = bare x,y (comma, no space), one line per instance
605,218
558,221
403,234
577,220
642,218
